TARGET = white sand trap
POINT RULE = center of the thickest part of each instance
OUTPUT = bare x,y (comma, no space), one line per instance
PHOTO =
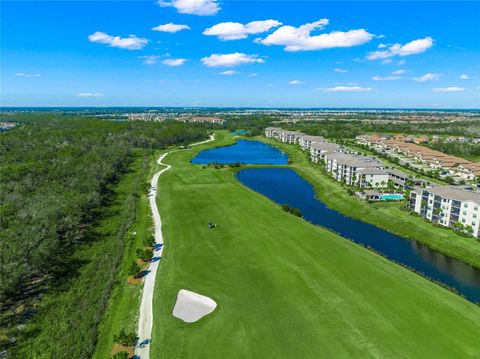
191,306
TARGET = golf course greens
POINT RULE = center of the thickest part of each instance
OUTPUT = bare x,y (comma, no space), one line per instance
286,288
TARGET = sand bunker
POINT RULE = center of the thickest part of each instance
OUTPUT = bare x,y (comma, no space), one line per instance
191,306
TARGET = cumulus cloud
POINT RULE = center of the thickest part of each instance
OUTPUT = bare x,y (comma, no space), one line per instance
427,77
192,7
464,77
340,70
227,73
300,38
171,28
174,62
448,89
295,82
411,48
386,78
149,60
254,74
89,94
345,89
131,42
26,74
235,31
399,72
230,60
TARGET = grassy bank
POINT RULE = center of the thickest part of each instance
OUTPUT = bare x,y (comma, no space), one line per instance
66,325
286,288
388,216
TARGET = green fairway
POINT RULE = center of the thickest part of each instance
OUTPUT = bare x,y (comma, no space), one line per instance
385,215
286,288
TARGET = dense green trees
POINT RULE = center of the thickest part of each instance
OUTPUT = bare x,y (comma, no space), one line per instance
57,174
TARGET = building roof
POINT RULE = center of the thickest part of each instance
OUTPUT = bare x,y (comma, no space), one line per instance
372,171
457,193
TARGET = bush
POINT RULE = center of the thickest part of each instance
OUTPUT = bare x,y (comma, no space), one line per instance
126,339
134,269
149,241
120,355
145,254
292,210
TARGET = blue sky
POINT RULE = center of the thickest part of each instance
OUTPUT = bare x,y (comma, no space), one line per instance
240,53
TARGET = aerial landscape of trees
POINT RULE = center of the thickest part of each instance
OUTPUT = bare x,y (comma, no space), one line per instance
57,174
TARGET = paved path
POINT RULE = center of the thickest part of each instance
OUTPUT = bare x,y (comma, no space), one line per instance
145,321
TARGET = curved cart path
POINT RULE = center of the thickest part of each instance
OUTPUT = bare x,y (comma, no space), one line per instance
145,321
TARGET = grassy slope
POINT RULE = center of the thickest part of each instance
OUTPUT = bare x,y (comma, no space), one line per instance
122,310
384,215
286,288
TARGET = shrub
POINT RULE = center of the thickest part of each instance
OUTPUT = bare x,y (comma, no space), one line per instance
126,339
292,210
145,254
134,269
120,355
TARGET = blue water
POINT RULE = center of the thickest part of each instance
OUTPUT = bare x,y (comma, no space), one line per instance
243,151
391,196
285,186
240,132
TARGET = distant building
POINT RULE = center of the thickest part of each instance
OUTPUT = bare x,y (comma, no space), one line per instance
356,170
450,206
306,141
290,137
318,150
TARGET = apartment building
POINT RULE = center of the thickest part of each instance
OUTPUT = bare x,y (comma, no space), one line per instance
318,150
348,169
448,206
290,137
306,141
273,132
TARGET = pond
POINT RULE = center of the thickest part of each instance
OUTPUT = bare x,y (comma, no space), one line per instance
285,186
243,151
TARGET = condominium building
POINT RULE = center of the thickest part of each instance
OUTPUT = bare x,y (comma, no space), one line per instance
318,150
273,132
290,137
346,167
306,141
450,206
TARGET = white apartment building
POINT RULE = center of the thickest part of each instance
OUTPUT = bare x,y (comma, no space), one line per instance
318,150
290,137
372,177
448,205
344,167
306,141
272,132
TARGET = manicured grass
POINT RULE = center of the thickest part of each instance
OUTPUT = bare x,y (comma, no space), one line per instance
286,288
388,216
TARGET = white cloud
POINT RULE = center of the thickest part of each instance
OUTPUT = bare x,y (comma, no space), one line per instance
411,48
89,94
340,70
174,62
254,74
227,73
295,82
230,60
149,60
465,77
131,42
171,28
236,31
386,78
399,72
345,89
427,77
448,89
25,74
300,38
193,7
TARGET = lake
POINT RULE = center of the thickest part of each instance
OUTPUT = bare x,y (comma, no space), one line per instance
243,151
285,186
